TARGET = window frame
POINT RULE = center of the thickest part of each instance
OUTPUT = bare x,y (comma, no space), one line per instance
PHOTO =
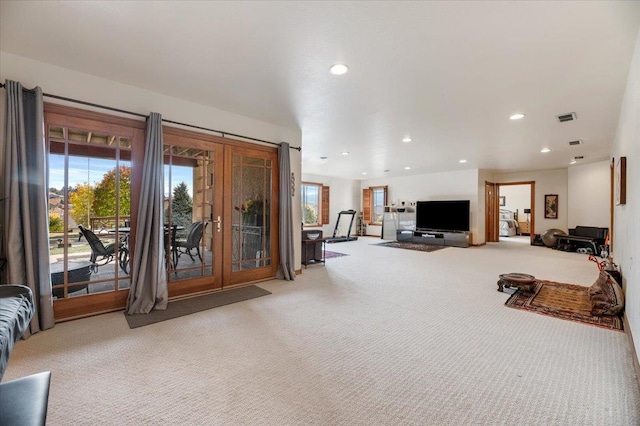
303,192
323,204
369,203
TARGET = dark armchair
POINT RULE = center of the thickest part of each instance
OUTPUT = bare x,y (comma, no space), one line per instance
192,242
101,254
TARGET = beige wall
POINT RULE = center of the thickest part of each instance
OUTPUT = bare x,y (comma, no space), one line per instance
459,185
589,195
547,182
76,85
626,243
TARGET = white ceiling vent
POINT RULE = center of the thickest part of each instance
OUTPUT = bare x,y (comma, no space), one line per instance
567,117
573,143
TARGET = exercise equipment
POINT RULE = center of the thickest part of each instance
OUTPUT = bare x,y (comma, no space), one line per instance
347,237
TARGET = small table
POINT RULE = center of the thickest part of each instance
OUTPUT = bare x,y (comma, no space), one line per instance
309,250
524,282
77,271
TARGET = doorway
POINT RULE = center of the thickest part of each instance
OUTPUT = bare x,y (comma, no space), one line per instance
516,211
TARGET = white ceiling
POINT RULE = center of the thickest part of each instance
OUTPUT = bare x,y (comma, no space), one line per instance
447,74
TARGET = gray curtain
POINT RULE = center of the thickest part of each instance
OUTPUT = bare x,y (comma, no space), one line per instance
25,224
148,271
286,269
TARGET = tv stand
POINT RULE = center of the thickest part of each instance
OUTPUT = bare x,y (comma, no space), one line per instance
435,237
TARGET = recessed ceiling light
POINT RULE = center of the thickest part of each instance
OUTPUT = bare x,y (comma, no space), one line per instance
573,162
364,173
462,161
407,168
338,69
517,116
406,140
345,153
545,150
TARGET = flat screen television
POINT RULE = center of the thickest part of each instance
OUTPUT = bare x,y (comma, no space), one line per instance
443,215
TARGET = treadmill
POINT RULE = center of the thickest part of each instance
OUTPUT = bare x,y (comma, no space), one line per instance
347,237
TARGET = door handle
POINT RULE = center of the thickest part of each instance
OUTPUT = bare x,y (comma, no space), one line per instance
219,224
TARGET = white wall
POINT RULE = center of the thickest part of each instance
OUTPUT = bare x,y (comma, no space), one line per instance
547,182
344,194
459,185
626,235
589,195
76,85
518,198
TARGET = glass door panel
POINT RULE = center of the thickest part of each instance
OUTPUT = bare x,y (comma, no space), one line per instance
89,203
191,173
252,214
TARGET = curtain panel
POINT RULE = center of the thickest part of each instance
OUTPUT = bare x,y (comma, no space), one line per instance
25,224
149,289
286,269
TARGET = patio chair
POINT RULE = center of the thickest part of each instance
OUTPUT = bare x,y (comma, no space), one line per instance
192,242
101,254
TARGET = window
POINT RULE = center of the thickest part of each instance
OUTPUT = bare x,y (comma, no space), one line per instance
315,204
373,201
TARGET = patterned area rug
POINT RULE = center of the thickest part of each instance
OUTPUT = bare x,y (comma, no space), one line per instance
331,254
410,246
565,301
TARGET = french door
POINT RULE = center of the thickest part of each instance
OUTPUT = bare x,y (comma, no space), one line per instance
226,192
220,210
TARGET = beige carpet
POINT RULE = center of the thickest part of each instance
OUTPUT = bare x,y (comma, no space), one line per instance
380,337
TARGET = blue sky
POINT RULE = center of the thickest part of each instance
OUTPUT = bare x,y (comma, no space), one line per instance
92,170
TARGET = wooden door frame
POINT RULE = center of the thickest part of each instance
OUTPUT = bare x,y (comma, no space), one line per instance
69,117
532,221
231,277
191,139
491,207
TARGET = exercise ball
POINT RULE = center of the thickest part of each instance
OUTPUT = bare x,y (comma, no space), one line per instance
548,237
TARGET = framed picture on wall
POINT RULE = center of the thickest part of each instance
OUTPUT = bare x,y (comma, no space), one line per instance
621,181
551,206
503,201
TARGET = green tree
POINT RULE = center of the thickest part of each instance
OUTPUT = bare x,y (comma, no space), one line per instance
81,199
309,214
55,223
181,205
104,202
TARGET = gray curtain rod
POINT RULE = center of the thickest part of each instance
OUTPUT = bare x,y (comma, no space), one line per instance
62,98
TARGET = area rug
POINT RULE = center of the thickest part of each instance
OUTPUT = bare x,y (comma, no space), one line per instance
331,254
565,301
410,246
179,308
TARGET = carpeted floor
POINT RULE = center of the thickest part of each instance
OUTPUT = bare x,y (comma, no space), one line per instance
565,301
182,307
410,246
379,337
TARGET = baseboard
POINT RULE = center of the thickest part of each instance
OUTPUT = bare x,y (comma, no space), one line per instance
632,347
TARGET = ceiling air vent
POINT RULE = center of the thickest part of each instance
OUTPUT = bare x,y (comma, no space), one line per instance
567,117
573,143
579,157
